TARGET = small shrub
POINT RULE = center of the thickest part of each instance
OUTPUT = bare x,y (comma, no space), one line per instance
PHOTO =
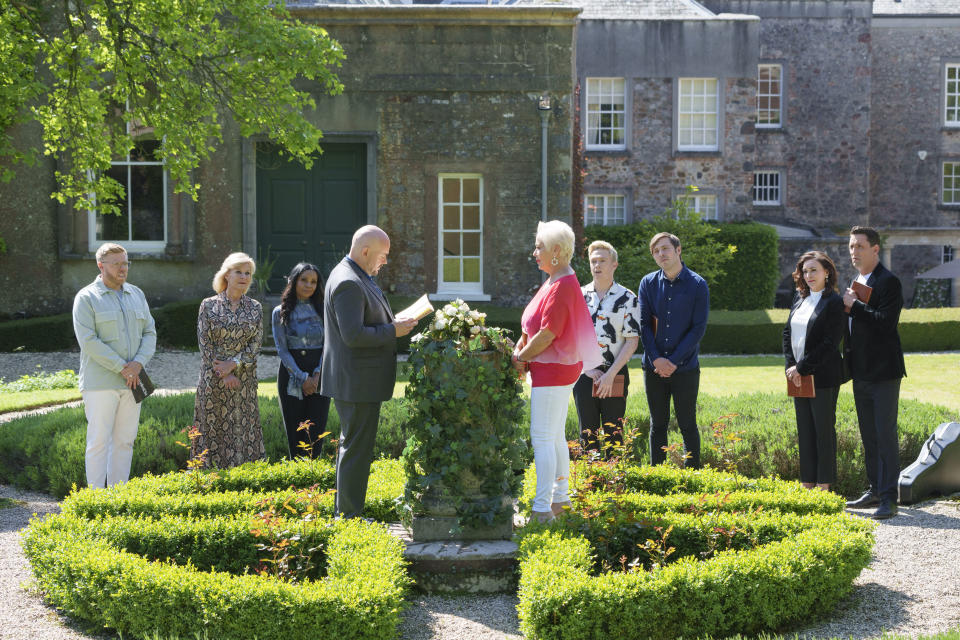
64,379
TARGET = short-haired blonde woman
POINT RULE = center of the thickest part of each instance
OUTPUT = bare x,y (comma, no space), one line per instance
557,343
229,332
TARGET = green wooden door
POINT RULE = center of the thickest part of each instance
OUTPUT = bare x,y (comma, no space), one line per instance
309,215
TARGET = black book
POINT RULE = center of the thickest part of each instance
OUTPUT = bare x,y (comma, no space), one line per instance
144,386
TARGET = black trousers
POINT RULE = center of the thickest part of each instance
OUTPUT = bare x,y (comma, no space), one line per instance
877,405
683,388
314,408
358,433
817,436
594,412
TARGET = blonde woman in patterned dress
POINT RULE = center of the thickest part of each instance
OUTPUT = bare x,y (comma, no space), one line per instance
229,331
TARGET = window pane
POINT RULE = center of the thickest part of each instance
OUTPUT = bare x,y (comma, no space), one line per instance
116,227
451,244
144,150
471,217
471,269
451,269
146,197
451,190
471,190
451,217
471,244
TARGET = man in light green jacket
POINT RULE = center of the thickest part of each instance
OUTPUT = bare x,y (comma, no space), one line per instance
113,325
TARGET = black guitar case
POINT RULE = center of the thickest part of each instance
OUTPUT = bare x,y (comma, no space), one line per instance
937,469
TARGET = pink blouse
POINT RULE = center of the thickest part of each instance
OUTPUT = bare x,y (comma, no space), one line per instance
560,307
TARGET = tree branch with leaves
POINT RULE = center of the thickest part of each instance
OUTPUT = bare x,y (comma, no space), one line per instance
97,74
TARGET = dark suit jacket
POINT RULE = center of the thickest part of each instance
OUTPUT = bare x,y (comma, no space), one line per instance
360,344
821,351
873,352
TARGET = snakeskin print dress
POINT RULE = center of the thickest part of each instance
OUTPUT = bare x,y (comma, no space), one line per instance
228,419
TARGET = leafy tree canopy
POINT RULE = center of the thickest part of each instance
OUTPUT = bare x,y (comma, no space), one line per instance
96,74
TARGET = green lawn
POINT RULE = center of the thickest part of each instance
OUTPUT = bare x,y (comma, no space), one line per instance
20,400
931,377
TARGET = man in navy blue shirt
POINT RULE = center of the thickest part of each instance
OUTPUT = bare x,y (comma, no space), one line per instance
674,303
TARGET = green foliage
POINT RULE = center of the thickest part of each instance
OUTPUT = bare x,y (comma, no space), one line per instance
125,559
46,452
703,248
767,434
64,379
749,280
110,70
745,555
49,333
466,439
176,324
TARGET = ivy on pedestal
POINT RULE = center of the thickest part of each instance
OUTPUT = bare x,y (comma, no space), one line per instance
466,441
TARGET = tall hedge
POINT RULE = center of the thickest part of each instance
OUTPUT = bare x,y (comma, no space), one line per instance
739,260
750,279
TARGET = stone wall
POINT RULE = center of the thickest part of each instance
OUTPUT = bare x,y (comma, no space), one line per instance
908,67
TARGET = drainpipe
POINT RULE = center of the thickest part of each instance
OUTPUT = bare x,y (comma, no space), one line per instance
543,106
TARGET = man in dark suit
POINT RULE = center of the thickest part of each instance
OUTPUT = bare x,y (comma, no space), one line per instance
359,359
875,360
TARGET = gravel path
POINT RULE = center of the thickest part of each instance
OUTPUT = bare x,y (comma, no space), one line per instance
912,586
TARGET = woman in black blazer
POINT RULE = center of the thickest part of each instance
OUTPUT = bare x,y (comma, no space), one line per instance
811,346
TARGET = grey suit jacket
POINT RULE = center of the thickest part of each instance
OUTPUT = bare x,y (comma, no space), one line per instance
360,343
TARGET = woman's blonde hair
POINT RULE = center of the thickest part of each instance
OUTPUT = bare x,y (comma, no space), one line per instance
555,233
231,261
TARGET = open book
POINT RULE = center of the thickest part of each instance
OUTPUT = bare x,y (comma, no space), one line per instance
418,310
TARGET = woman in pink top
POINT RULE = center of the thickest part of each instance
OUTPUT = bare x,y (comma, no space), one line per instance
558,342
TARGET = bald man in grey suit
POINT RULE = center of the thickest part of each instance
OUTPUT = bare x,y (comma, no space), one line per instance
359,359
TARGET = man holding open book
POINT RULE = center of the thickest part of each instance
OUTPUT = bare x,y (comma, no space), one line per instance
875,360
359,359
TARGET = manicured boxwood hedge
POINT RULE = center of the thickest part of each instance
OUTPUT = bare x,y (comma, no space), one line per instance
137,559
792,554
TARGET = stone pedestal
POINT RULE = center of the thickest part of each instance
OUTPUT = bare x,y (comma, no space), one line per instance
440,523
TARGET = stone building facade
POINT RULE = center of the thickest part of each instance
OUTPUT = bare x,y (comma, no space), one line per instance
436,138
809,115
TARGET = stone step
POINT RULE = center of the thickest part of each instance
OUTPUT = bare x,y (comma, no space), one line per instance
460,566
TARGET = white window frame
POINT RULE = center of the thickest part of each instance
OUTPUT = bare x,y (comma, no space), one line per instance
951,115
466,290
605,88
769,173
608,205
955,189
764,92
947,254
696,202
139,246
694,113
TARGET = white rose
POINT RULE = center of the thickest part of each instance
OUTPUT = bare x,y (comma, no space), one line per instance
441,324
474,329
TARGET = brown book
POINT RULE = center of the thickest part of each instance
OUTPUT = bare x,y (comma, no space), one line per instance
618,384
805,390
863,293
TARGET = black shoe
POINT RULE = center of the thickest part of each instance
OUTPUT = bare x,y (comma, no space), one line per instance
886,511
865,501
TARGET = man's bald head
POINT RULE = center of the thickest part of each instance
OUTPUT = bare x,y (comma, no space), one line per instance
369,248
